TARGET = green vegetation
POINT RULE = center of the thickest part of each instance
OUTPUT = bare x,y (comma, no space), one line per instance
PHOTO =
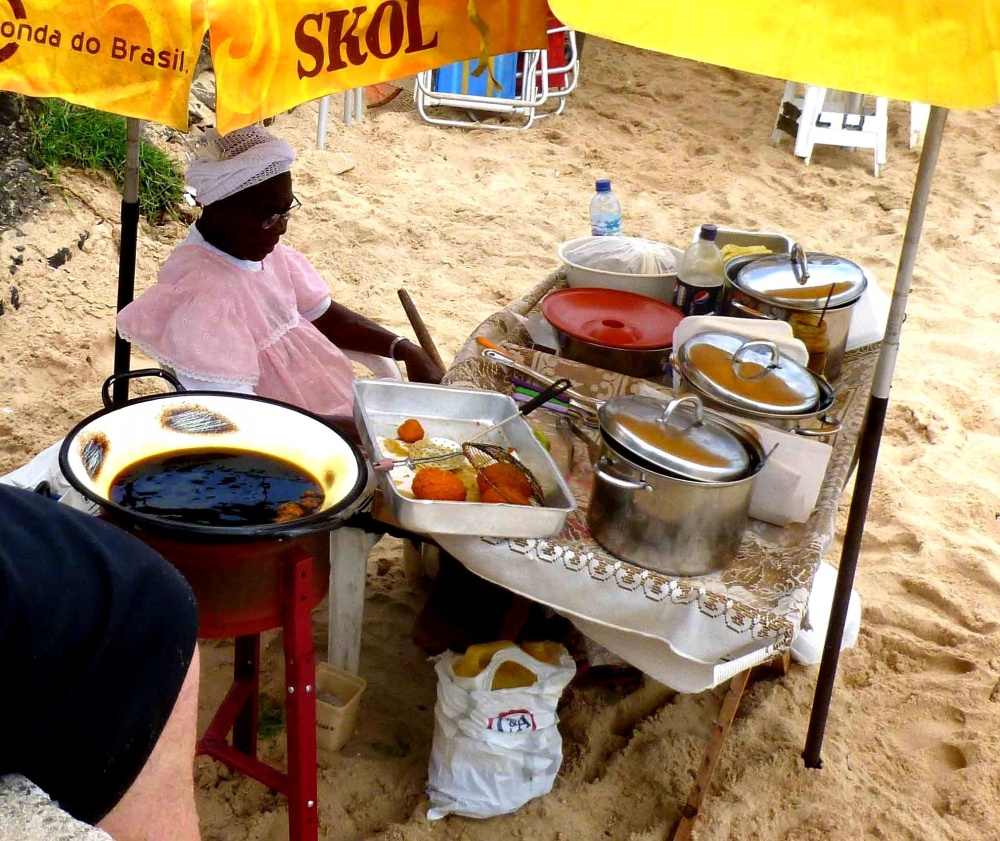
270,718
69,135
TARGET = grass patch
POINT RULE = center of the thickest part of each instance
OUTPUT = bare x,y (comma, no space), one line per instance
270,719
65,134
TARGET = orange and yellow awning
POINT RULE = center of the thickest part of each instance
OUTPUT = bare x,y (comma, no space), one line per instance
138,58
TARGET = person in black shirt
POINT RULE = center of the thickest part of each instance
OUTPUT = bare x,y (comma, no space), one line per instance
98,671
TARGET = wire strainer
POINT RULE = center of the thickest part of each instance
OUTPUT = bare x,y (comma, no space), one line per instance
482,456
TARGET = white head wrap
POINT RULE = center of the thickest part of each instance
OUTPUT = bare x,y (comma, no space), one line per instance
226,165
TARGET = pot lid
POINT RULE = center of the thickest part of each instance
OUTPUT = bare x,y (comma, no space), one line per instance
612,318
744,374
679,437
802,281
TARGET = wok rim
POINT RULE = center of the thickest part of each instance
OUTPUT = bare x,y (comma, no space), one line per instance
326,520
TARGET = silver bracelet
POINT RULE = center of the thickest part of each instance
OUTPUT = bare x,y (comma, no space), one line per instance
392,347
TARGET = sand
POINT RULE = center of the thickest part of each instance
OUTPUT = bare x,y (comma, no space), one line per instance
469,220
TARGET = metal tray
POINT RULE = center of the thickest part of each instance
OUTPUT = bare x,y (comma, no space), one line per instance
778,243
380,406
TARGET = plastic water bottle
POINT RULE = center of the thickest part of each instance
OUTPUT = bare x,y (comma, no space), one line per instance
605,211
701,275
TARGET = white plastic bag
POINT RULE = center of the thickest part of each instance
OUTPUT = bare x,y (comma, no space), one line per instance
629,255
493,751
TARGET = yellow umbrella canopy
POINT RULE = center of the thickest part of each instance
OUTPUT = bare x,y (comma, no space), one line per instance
138,58
942,52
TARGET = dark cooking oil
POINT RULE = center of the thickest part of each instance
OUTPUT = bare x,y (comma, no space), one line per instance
217,487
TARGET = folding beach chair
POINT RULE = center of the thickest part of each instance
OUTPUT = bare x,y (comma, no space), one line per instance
502,90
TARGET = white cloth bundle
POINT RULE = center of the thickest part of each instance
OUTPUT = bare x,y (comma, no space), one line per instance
227,165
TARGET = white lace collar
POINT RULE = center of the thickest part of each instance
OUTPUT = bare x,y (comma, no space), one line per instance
194,237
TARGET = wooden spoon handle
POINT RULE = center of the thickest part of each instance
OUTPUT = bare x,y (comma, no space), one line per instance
420,329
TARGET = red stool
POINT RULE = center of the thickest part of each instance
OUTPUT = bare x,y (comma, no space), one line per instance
243,589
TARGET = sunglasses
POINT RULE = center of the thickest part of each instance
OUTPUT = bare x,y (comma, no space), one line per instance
273,220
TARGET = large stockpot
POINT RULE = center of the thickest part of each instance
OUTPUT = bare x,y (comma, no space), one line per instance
815,293
672,485
754,380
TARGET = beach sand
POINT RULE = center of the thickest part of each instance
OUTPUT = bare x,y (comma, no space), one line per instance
468,221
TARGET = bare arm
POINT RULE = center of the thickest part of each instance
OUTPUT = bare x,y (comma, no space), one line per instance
349,330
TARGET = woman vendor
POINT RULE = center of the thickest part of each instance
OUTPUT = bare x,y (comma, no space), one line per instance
236,310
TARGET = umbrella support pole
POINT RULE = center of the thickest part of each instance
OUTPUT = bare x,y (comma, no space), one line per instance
871,436
127,252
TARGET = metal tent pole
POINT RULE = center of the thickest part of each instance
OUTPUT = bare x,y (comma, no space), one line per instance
126,256
871,436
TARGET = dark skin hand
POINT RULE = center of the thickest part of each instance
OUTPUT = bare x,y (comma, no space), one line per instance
249,224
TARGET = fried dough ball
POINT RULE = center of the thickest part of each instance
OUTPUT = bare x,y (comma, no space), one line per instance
289,511
434,483
505,494
503,475
410,431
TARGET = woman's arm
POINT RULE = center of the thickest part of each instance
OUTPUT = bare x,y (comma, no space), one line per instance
349,330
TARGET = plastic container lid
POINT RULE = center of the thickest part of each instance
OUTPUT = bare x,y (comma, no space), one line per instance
802,281
744,374
679,438
603,185
708,232
612,318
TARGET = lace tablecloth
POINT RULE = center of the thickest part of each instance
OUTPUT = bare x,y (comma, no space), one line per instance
690,633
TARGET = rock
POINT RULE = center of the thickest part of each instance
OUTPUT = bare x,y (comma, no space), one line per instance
10,109
27,814
199,113
340,162
203,89
204,57
60,257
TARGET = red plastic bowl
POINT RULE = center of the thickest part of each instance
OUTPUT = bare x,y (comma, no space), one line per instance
612,318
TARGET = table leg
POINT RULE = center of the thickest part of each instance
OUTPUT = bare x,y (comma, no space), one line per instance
246,667
300,703
516,616
720,733
349,550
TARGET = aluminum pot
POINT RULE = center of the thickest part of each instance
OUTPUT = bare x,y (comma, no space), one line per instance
641,364
754,380
816,293
672,485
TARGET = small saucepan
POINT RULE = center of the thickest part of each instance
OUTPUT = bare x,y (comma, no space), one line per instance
754,380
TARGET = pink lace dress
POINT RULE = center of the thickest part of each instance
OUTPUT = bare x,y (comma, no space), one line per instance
211,319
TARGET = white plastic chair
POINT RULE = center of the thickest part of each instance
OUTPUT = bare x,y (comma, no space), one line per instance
834,118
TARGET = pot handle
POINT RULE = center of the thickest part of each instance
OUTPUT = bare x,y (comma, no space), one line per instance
800,266
750,312
771,365
693,399
134,375
831,426
601,472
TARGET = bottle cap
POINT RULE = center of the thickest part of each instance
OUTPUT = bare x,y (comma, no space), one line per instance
603,185
708,232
